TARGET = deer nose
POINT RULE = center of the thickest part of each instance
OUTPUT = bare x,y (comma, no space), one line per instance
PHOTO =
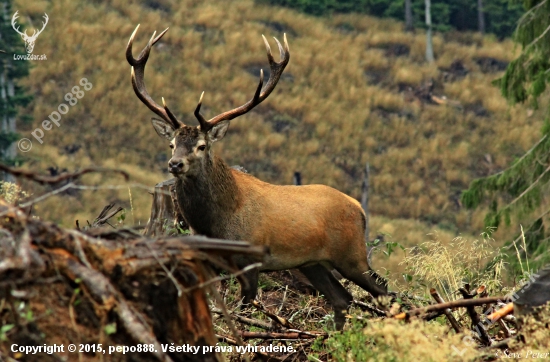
175,165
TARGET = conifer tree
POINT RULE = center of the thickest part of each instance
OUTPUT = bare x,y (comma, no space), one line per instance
12,96
521,190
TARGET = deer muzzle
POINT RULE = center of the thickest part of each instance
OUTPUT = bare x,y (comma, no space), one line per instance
177,166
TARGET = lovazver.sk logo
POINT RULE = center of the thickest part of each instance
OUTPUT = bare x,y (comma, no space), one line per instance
29,40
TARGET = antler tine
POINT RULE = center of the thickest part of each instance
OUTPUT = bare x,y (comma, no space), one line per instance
144,55
268,48
207,125
199,116
260,95
282,50
138,83
276,68
171,115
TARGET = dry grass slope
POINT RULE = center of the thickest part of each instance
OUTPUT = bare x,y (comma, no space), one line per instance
342,102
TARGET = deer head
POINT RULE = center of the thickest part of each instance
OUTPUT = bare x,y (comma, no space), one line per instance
29,40
191,145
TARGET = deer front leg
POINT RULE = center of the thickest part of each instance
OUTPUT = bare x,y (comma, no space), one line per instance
249,286
248,280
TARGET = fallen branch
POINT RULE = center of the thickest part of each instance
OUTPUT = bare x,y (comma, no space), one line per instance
41,179
227,340
369,308
504,344
476,321
447,311
280,320
501,313
281,335
249,321
452,305
106,214
504,328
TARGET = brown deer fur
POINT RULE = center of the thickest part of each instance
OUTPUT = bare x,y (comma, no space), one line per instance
314,228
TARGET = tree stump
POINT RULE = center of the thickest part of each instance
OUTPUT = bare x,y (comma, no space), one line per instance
166,218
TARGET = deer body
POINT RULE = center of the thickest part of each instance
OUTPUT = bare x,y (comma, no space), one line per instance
230,204
313,228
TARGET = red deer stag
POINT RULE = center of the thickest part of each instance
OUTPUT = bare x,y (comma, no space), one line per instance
313,228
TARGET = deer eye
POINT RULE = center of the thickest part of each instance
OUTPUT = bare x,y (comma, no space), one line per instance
201,147
171,146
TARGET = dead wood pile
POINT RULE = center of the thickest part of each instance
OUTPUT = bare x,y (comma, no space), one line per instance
151,290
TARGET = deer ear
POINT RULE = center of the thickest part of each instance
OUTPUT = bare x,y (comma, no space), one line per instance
217,132
163,128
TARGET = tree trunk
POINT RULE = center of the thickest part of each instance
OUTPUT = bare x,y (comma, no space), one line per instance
429,43
480,17
409,26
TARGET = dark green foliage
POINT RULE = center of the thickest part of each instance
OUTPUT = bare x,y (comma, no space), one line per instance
6,139
10,43
526,76
319,7
519,190
519,187
500,15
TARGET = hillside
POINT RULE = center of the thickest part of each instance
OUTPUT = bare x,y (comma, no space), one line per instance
354,92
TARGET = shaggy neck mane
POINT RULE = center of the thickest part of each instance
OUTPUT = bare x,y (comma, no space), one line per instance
206,200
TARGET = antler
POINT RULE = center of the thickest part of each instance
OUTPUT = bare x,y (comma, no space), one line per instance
35,34
259,95
13,23
138,72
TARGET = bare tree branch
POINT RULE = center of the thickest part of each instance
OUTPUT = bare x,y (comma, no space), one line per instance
42,179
